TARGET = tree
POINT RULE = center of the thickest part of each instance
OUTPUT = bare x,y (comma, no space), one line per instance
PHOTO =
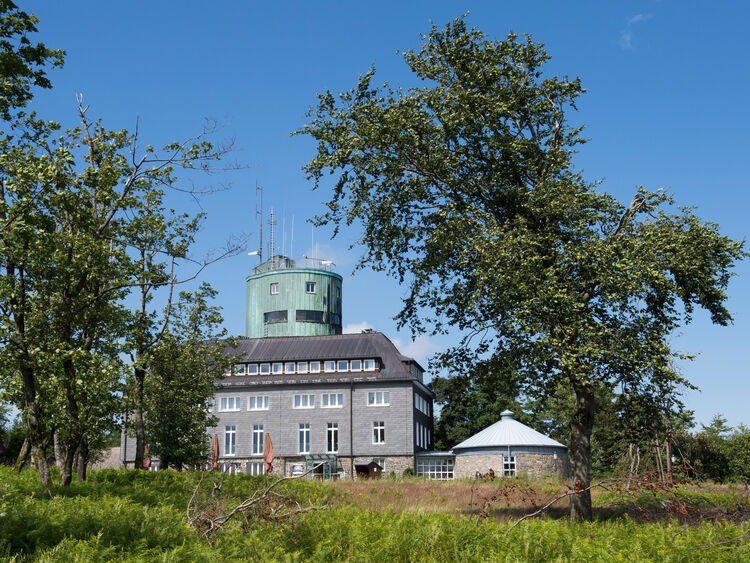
22,64
184,368
466,191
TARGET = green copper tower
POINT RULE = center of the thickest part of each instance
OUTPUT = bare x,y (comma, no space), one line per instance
286,300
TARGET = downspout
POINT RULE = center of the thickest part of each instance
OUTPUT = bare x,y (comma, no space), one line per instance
351,428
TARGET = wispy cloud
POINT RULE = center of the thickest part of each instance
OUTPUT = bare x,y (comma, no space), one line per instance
421,348
626,35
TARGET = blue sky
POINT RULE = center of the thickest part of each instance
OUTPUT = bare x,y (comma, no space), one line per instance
666,106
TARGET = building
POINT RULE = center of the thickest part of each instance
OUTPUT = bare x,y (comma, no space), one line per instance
343,400
508,448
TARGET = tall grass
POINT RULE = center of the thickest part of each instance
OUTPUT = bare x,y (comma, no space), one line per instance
140,516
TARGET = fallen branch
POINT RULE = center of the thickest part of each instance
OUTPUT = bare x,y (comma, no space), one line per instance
265,503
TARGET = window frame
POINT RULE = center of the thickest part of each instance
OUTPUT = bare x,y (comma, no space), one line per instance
294,367
378,432
332,437
297,401
274,288
265,368
365,362
224,400
332,366
301,367
311,284
277,368
258,440
384,396
303,443
252,369
263,399
340,363
230,440
326,403
359,365
315,366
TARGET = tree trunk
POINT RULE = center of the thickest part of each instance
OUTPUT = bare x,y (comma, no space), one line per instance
66,469
140,431
82,459
580,452
23,456
59,448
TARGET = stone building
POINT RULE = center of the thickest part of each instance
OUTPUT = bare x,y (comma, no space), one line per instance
322,396
510,448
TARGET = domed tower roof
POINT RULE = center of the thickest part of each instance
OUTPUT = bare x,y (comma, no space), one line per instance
507,432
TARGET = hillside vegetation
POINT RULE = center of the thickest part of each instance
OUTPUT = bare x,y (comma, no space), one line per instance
139,516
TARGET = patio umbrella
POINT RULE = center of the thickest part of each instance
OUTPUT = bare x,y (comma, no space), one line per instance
215,453
146,458
267,454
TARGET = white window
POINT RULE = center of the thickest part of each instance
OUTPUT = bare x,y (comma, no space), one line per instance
435,468
229,404
257,403
342,365
332,400
257,439
378,432
356,365
330,366
238,369
378,399
304,438
332,442
380,461
509,466
369,365
422,404
265,369
304,401
274,288
314,367
310,287
256,468
210,404
252,369
289,367
230,440
301,367
419,434
276,367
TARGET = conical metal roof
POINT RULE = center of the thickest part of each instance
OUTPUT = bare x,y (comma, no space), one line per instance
507,432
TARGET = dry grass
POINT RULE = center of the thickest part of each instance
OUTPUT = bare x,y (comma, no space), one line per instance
462,497
504,499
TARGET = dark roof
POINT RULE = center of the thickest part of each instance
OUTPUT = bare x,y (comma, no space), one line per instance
366,345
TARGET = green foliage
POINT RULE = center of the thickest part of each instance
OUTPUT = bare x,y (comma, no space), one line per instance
22,64
127,515
184,367
465,190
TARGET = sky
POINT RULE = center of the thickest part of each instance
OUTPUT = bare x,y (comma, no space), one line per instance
665,107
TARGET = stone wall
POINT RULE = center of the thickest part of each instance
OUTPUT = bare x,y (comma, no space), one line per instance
542,465
468,465
533,465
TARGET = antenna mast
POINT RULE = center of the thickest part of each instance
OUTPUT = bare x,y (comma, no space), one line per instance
259,213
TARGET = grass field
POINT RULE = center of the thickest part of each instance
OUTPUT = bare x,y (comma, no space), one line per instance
139,516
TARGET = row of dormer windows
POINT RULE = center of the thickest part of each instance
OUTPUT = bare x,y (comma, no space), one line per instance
315,366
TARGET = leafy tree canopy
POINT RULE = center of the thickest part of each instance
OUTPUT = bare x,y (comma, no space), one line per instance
465,190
